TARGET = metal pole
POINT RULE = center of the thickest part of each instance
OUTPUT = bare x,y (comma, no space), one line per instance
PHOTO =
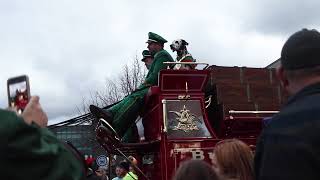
252,112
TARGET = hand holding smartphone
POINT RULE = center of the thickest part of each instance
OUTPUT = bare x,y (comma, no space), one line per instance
18,92
34,113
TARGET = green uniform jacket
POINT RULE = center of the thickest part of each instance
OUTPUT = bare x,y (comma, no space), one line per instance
31,152
156,66
126,111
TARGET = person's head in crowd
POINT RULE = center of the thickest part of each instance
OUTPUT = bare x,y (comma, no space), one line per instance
101,171
233,159
155,43
195,170
119,171
123,168
300,61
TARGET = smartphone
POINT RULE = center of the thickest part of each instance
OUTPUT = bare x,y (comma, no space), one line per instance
18,92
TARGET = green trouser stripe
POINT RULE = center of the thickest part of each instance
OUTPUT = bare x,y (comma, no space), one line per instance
116,108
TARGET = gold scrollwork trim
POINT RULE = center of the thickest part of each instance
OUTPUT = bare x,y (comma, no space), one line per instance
184,97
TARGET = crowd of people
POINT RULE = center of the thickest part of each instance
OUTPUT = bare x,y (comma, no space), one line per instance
288,148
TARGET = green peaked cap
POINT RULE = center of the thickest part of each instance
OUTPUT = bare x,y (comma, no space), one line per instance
145,54
153,37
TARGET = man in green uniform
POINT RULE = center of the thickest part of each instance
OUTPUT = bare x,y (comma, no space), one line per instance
122,116
30,151
132,133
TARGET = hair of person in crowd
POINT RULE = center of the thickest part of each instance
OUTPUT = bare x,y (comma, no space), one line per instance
195,170
122,169
233,159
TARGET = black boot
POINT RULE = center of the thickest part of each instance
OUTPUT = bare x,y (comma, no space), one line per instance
101,113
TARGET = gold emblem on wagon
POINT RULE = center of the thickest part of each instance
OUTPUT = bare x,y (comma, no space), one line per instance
186,120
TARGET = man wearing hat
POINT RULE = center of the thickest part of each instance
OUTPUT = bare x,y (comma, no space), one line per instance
121,117
147,58
132,133
289,147
155,46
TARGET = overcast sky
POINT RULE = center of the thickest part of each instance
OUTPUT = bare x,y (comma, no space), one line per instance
69,47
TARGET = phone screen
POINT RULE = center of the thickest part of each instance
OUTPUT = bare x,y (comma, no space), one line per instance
18,93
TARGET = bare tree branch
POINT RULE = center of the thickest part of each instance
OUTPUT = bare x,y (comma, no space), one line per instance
131,76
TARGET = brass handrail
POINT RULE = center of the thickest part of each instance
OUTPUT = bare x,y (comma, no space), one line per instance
252,112
195,63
